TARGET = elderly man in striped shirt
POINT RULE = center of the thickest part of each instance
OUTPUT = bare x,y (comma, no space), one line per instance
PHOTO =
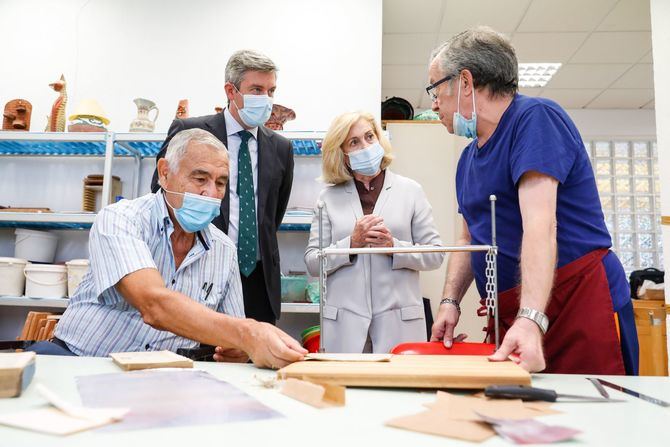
163,277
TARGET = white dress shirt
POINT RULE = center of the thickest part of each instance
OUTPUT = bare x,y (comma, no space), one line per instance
234,141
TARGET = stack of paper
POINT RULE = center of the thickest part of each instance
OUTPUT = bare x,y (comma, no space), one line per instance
61,417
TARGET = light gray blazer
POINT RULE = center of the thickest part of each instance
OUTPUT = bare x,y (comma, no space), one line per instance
379,295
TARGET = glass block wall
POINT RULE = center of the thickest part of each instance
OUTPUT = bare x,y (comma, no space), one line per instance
627,177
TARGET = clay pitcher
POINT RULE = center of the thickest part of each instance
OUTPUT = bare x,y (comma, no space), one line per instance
143,123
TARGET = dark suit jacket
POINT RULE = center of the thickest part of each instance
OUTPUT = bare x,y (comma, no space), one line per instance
275,177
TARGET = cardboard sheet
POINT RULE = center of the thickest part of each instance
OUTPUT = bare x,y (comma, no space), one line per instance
469,418
434,423
466,408
319,395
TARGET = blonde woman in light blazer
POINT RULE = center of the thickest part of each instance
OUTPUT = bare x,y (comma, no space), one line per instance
375,297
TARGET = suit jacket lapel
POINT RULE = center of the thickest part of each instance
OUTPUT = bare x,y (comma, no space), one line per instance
354,200
265,163
384,194
216,124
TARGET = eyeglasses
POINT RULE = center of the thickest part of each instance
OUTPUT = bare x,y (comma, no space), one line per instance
433,86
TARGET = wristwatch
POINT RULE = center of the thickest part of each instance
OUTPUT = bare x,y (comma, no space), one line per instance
452,302
536,316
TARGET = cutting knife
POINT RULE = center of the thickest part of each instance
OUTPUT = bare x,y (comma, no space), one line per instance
528,393
653,400
601,389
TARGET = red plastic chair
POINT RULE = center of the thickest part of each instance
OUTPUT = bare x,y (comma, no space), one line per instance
437,348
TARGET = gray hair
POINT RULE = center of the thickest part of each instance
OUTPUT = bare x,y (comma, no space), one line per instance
179,145
247,60
487,54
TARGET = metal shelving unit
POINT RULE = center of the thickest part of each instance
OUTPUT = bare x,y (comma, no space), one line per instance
110,145
23,301
61,303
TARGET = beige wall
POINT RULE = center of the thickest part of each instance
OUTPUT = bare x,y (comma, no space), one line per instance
427,153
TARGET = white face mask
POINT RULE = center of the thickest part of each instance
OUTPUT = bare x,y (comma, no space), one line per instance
257,109
464,127
367,161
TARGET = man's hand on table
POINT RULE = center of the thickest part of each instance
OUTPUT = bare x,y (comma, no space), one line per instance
523,345
445,323
270,347
230,355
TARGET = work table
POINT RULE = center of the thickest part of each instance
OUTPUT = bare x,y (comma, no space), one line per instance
361,421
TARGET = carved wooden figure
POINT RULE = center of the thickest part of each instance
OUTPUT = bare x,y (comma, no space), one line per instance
280,114
17,115
182,109
57,118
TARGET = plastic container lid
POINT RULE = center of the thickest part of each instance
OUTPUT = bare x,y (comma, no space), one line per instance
309,330
13,261
78,263
46,268
437,348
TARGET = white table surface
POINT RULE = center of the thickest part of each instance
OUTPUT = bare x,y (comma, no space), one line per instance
634,423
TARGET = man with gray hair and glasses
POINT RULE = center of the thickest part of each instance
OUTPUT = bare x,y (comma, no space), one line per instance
162,277
561,286
261,174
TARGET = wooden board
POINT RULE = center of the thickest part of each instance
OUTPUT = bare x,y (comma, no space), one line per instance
132,361
412,371
16,371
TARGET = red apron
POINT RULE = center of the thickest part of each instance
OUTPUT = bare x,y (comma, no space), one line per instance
582,336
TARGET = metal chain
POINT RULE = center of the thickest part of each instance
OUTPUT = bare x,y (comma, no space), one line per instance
324,263
491,283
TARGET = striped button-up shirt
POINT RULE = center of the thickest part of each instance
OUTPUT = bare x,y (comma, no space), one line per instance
135,234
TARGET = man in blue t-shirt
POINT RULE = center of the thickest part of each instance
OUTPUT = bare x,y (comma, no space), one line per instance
561,287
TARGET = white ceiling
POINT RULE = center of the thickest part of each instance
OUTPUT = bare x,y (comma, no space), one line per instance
604,46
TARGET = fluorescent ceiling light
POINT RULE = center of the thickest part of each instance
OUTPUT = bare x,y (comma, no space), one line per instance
536,74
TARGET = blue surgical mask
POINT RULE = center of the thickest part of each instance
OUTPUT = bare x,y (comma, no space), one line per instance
257,109
465,127
196,211
367,161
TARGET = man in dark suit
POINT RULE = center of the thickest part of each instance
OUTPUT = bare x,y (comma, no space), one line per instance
261,174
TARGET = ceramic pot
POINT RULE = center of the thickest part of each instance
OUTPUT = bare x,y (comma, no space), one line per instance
143,123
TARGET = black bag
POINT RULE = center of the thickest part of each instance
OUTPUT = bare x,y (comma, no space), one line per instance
397,109
637,277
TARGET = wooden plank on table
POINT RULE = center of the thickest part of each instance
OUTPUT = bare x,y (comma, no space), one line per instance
412,371
16,372
132,361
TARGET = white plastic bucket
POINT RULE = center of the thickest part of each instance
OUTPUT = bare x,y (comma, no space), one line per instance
12,281
46,281
35,246
76,269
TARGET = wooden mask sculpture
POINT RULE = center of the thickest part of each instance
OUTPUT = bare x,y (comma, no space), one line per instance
57,118
17,115
280,115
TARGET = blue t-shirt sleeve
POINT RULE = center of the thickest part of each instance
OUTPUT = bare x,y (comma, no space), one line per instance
543,143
